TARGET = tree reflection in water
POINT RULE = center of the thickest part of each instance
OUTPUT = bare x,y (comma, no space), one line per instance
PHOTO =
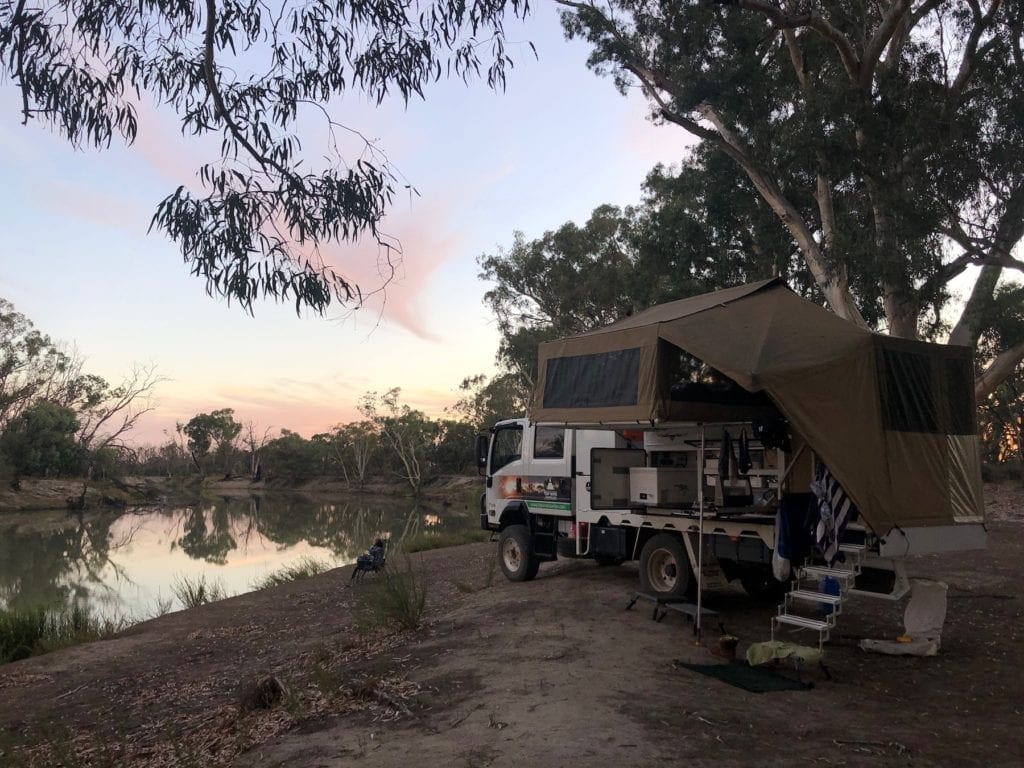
121,561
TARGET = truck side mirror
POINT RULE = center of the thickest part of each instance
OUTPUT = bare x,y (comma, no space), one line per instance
483,442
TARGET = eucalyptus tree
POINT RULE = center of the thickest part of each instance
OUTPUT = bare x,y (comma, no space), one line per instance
354,446
406,435
884,137
215,433
41,441
248,71
254,442
33,367
107,413
695,230
485,401
566,281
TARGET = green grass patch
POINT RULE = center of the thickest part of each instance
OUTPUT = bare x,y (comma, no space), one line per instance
302,569
397,596
195,591
426,540
28,632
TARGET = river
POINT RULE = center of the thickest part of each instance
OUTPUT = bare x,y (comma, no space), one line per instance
123,564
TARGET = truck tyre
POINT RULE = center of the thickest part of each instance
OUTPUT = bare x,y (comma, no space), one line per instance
665,567
515,554
760,583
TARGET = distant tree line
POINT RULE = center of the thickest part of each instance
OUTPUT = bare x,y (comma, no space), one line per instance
391,442
57,420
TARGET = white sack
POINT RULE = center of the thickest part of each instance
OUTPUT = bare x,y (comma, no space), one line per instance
922,622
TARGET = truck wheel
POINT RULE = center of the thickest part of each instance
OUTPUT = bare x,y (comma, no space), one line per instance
760,583
665,568
515,554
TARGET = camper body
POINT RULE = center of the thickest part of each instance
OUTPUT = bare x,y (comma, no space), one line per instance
631,427
660,497
615,495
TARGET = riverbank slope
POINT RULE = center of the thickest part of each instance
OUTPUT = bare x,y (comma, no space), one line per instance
553,671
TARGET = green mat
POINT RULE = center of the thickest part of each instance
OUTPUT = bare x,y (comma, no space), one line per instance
753,679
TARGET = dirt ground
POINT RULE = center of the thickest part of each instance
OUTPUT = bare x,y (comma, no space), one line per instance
553,672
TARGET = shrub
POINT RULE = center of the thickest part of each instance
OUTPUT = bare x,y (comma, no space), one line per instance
302,569
193,592
398,596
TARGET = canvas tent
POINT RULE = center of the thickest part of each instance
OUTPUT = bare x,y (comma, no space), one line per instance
893,419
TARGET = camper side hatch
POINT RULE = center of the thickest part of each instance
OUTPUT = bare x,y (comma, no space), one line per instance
609,482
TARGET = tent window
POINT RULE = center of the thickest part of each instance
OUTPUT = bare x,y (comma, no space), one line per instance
908,392
922,393
601,380
960,396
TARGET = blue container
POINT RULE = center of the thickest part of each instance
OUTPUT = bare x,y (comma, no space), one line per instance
829,586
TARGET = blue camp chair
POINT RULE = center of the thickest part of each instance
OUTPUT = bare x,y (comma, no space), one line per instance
372,561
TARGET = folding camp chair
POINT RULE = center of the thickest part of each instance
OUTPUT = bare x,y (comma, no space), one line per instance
372,561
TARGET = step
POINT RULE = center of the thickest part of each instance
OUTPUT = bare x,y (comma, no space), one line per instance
853,549
803,622
815,597
821,571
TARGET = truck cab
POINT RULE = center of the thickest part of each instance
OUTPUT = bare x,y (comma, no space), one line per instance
537,482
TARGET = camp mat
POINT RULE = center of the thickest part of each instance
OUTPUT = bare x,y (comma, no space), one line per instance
753,679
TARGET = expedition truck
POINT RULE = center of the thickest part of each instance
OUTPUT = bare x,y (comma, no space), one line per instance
631,495
630,451
614,495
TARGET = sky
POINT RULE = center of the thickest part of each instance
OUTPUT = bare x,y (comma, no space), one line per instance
77,260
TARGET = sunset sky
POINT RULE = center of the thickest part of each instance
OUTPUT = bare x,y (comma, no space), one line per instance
76,258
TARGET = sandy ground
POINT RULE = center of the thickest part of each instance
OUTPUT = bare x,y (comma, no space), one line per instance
552,672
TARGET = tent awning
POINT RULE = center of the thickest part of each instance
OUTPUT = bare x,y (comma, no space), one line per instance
893,419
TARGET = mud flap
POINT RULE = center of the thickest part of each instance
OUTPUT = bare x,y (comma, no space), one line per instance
712,576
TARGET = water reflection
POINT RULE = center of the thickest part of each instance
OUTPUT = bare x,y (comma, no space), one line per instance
124,563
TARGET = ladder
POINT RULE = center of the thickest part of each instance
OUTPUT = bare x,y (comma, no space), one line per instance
807,595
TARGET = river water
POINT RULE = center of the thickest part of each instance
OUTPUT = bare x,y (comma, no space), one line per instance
123,564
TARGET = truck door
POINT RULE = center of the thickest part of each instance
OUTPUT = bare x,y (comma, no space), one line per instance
531,468
504,467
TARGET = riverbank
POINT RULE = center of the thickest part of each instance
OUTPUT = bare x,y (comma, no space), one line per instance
37,494
551,672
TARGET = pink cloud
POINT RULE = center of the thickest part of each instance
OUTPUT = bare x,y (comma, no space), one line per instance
424,242
418,229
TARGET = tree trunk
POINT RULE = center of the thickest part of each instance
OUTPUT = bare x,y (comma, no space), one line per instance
902,311
968,328
998,371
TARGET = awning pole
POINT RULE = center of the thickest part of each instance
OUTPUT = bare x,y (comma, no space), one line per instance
700,534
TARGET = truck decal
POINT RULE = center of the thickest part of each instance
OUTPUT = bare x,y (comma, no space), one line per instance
529,487
560,506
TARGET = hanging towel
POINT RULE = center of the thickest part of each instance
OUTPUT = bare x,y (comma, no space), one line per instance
743,463
781,554
835,510
724,455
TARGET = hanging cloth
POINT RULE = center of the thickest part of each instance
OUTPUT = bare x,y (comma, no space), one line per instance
724,455
835,510
743,462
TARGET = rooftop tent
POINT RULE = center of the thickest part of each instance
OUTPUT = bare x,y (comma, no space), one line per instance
893,419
